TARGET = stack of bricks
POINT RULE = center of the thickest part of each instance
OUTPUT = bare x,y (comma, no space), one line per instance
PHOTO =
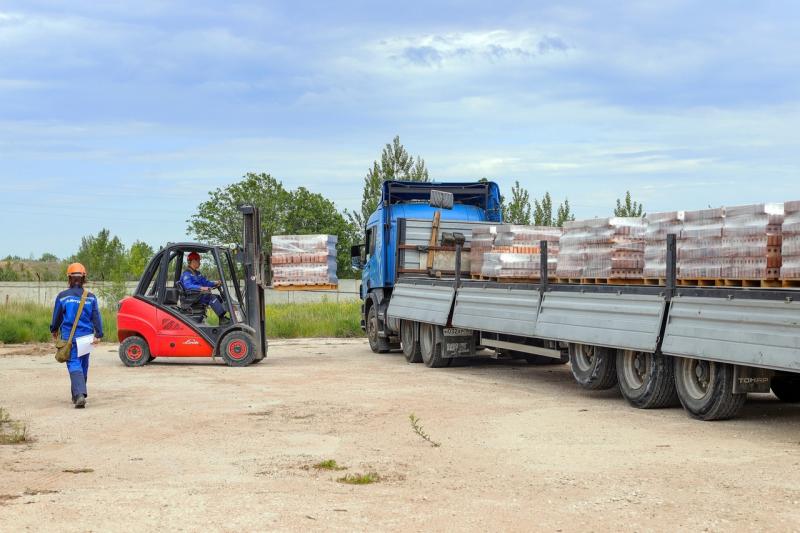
790,270
517,252
751,242
481,242
700,244
301,260
658,226
602,248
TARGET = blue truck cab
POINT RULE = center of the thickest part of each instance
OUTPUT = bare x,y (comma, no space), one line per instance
377,257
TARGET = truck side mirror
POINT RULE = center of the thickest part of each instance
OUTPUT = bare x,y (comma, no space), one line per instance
357,256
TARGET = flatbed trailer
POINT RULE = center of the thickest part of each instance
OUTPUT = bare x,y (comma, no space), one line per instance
702,347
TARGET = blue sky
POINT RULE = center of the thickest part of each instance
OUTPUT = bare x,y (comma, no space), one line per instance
124,115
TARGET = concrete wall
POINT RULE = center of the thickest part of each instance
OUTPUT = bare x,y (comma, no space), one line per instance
45,292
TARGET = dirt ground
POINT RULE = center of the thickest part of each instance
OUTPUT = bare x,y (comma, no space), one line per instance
186,446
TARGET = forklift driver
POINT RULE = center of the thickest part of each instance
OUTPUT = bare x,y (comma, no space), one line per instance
193,280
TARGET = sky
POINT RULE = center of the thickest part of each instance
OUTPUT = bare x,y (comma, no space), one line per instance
124,115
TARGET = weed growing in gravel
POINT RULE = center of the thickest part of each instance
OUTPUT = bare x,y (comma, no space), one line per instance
360,479
12,431
329,464
78,470
417,427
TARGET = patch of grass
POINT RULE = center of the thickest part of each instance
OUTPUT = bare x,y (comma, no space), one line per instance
329,464
417,427
360,479
78,470
12,431
22,322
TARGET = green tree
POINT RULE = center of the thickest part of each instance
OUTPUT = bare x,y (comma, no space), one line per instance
543,212
396,164
138,257
47,257
103,255
518,210
628,208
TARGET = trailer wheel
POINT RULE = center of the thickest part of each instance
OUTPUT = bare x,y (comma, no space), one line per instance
134,351
646,380
407,342
238,349
705,389
376,343
593,367
786,387
431,352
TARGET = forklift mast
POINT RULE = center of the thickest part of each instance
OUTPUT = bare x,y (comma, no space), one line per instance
254,273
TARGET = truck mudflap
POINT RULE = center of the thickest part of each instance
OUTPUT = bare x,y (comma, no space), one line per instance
421,302
760,333
612,319
456,342
511,310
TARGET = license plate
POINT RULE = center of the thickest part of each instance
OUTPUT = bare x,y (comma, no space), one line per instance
457,332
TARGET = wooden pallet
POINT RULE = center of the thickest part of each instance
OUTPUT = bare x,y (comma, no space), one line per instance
326,287
654,281
790,283
726,282
612,281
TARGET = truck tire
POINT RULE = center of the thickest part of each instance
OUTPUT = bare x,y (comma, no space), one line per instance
238,349
593,367
409,345
705,389
646,380
430,351
376,343
134,351
786,387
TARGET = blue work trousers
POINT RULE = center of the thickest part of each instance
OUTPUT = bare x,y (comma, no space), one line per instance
213,301
78,368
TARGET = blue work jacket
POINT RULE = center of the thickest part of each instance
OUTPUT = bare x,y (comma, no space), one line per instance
65,309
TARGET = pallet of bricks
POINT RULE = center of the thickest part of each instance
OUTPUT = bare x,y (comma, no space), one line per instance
657,227
790,268
304,262
515,252
731,246
602,250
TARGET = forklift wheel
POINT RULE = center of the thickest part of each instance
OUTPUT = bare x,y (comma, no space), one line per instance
238,349
134,351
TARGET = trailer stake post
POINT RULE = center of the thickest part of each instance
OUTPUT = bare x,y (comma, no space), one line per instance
543,273
672,263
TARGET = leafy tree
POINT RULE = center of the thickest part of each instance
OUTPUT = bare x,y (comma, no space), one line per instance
543,212
47,257
138,257
396,164
518,210
628,208
103,256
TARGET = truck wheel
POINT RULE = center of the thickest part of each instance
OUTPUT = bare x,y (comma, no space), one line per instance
238,349
786,387
646,380
407,342
593,367
134,351
430,351
705,389
377,344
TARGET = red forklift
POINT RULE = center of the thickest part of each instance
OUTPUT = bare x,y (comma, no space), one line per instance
163,319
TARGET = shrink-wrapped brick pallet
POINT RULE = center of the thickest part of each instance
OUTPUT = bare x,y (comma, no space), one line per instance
481,242
516,252
658,226
303,260
700,244
751,242
602,248
790,270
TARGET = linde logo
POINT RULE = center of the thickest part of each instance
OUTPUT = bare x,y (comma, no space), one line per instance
191,342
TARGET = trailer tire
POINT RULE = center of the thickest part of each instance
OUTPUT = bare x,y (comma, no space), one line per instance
134,351
705,389
431,351
593,367
786,387
238,349
646,380
377,343
407,343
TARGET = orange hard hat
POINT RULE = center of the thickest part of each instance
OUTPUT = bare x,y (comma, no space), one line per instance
76,269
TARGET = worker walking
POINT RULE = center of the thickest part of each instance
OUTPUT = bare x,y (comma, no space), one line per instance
77,307
193,280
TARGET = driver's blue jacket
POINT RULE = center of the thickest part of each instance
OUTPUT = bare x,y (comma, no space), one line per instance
192,280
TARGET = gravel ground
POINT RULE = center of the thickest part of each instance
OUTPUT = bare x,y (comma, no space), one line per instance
191,445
